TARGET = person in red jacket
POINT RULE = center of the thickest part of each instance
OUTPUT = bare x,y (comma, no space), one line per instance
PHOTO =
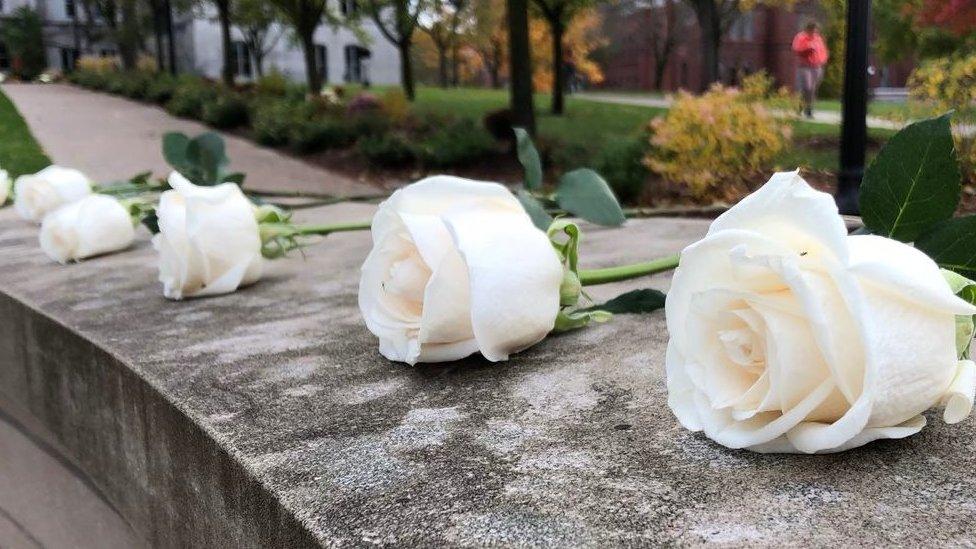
811,53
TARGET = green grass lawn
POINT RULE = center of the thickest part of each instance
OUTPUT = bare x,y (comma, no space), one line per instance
19,151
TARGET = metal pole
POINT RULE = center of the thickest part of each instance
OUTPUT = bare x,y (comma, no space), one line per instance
854,134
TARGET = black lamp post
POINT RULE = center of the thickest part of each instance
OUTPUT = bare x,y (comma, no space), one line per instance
854,132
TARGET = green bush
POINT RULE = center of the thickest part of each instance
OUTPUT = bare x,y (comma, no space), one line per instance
621,163
456,144
271,121
227,110
88,79
23,33
273,84
317,134
115,83
161,89
388,150
189,97
134,85
371,124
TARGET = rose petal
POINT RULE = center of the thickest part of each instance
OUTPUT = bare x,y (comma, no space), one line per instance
515,276
788,209
959,398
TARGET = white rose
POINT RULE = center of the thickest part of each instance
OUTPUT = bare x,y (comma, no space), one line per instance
47,190
788,335
208,240
94,225
4,186
457,267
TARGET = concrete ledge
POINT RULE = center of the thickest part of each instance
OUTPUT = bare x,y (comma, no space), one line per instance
268,418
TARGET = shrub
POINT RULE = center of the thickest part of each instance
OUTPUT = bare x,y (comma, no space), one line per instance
23,33
395,105
456,144
945,84
273,84
318,134
189,97
134,85
101,65
146,64
271,121
227,110
161,88
363,103
620,162
388,150
713,138
115,82
369,124
760,86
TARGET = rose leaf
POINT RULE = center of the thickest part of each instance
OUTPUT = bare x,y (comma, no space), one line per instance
528,156
585,193
633,302
914,183
952,244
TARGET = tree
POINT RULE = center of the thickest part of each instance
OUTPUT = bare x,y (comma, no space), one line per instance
305,16
397,21
582,37
440,35
559,14
255,18
23,34
662,38
488,36
458,9
714,19
520,65
224,18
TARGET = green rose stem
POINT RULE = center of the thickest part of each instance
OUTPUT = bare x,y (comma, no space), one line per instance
307,230
592,277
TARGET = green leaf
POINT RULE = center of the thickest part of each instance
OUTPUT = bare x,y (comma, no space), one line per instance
206,153
151,221
914,183
236,177
965,324
174,150
529,158
633,302
584,193
952,245
535,209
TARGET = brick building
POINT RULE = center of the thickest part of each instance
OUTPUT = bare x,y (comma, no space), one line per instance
638,31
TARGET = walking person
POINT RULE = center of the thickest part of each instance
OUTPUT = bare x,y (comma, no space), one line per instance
811,52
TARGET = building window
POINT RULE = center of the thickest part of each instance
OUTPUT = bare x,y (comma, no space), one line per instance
357,64
322,62
69,8
240,59
349,8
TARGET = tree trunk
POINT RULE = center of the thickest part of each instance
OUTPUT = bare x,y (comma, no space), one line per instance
406,70
223,14
520,56
157,21
258,62
128,35
455,77
710,26
442,66
170,40
312,75
558,70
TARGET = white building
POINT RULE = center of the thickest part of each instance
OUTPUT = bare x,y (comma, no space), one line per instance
341,55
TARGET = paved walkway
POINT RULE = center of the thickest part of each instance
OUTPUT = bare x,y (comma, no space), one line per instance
110,138
821,117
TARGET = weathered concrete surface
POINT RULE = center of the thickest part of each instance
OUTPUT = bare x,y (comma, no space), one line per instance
76,127
268,417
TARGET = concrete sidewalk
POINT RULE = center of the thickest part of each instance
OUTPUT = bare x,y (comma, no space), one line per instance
819,116
111,138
